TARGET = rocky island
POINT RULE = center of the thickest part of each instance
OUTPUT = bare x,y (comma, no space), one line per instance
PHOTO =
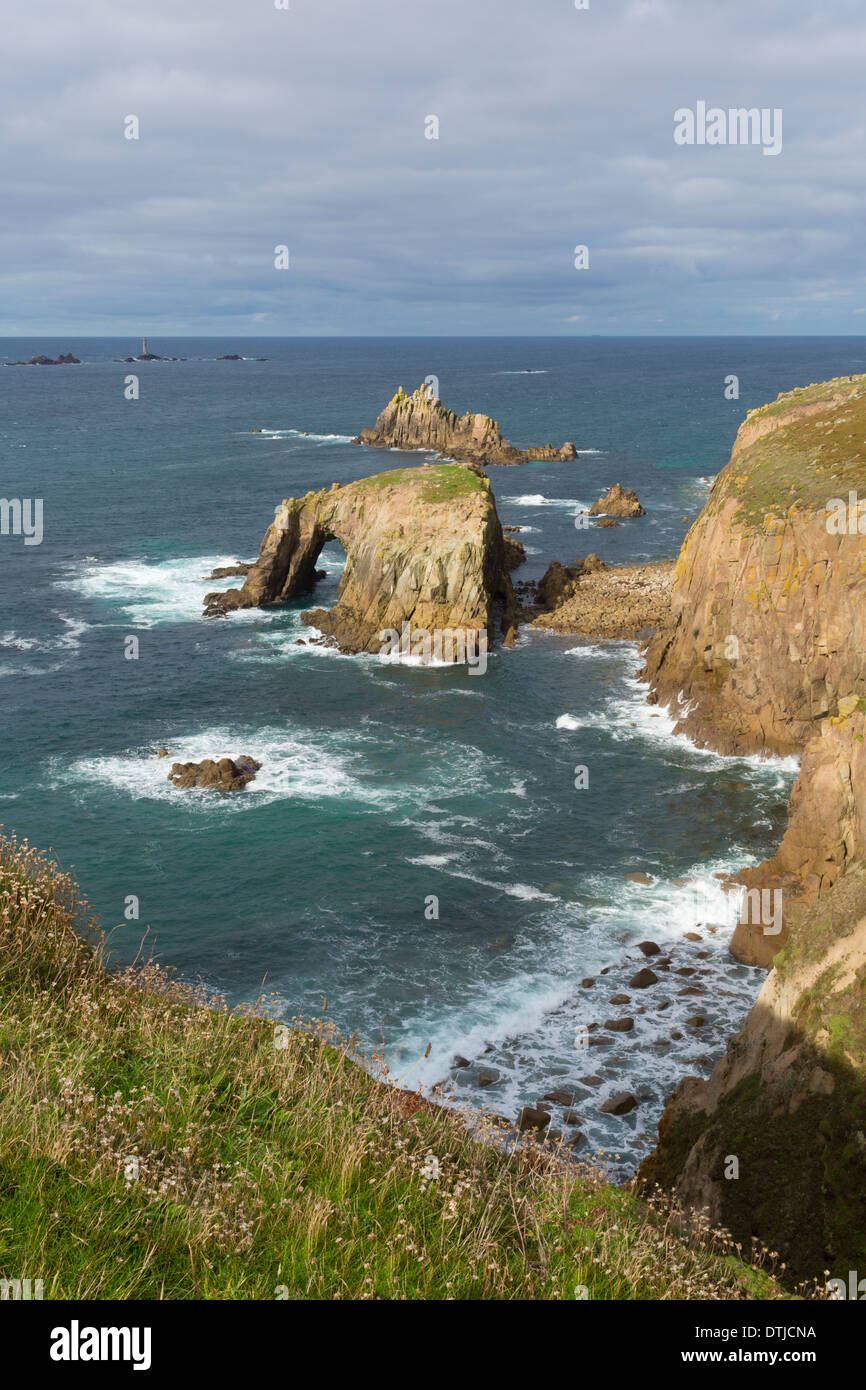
66,359
421,421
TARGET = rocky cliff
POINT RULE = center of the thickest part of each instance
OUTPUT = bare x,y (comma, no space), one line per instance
766,645
766,649
424,546
420,421
773,1145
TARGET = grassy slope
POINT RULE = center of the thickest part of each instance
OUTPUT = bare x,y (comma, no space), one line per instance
808,460
155,1145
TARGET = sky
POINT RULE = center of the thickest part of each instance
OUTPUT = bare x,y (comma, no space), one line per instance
307,127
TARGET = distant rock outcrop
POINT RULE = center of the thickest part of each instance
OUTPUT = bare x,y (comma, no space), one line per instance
618,501
424,548
65,359
420,421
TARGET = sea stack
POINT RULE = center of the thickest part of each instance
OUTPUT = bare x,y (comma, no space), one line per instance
421,421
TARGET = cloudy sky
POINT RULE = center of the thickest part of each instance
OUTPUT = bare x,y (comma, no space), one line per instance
305,127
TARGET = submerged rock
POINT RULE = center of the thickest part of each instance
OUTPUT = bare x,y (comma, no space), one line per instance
619,1105
532,1117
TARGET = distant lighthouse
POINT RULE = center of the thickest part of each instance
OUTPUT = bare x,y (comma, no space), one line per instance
144,347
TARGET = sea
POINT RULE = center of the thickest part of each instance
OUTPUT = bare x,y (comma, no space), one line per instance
415,855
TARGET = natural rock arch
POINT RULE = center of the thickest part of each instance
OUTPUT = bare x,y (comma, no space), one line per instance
423,546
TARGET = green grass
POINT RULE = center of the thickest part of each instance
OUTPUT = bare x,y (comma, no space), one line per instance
441,482
154,1144
805,462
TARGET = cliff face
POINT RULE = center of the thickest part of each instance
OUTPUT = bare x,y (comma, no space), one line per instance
766,645
766,649
423,546
420,421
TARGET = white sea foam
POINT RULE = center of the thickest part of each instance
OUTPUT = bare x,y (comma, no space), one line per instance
37,647
629,716
305,434
296,765
527,1024
613,647
537,499
148,593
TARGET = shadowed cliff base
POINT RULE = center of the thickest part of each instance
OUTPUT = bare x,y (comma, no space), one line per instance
424,547
773,1145
421,421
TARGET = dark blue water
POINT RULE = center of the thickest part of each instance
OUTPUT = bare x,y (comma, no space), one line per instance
382,786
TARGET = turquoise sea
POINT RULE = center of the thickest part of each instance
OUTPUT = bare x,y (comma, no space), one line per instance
383,785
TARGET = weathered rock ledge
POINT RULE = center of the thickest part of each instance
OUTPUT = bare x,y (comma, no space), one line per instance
627,602
421,421
424,547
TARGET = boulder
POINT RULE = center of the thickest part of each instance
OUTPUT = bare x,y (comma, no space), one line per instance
619,1105
532,1118
618,501
643,979
226,775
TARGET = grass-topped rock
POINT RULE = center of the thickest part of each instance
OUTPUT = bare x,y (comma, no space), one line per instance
424,546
